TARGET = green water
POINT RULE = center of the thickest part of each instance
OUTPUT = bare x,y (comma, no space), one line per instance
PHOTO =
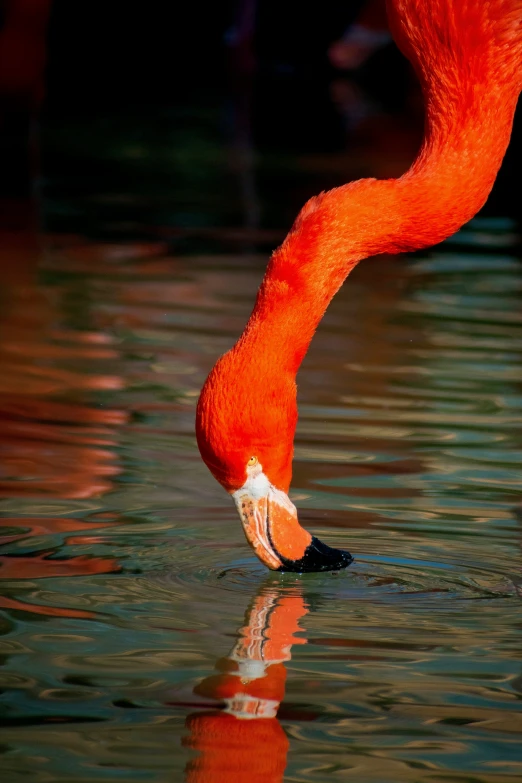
125,574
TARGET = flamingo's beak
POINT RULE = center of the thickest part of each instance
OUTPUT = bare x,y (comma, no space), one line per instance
270,523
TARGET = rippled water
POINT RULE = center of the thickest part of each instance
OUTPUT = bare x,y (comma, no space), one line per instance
141,640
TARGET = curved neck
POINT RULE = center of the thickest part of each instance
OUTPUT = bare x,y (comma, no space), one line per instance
469,69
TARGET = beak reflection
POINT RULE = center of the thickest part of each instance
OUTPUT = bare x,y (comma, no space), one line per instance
244,741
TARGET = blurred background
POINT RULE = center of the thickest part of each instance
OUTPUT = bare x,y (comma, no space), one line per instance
232,93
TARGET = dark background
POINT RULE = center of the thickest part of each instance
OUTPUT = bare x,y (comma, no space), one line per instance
121,53
113,55
131,64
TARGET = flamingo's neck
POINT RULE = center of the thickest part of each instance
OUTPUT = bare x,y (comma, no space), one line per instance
470,73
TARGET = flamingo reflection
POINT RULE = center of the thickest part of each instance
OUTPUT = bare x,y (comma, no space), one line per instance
244,741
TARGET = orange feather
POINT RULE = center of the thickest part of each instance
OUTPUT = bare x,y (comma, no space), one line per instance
468,58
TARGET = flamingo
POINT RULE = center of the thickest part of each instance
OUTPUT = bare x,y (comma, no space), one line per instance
468,57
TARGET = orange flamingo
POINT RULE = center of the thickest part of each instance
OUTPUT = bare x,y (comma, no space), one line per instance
468,58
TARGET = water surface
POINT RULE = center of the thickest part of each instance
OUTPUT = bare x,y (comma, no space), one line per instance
141,640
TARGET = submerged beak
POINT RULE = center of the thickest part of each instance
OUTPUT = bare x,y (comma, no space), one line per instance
270,523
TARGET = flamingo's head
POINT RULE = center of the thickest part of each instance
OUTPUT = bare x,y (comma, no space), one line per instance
245,426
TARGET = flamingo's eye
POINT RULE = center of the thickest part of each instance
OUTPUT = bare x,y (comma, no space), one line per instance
252,461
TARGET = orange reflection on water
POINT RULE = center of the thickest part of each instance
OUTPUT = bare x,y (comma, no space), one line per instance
42,564
244,741
53,443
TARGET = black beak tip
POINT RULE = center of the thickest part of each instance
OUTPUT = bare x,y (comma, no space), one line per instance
318,557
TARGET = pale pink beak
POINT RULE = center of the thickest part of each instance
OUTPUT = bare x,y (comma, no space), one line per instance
274,533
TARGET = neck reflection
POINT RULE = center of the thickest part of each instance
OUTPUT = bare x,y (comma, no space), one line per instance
244,741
